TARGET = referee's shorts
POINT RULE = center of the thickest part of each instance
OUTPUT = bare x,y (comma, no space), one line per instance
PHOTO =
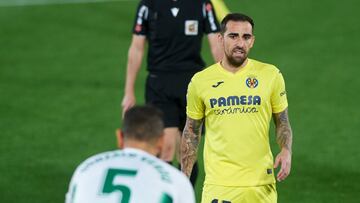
167,91
225,194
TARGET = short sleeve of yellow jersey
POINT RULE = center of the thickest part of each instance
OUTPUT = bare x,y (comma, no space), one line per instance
195,107
278,97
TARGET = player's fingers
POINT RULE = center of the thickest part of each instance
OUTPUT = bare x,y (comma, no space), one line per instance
126,106
287,170
277,161
168,149
283,165
284,171
279,175
281,171
282,176
123,111
128,102
124,103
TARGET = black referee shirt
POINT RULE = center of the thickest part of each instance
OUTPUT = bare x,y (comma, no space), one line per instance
174,30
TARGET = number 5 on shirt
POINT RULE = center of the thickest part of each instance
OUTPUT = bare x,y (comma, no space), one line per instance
109,187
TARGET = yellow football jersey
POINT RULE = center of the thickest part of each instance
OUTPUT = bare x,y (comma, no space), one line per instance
237,108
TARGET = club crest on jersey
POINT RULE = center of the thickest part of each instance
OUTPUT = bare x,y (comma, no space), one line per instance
191,27
252,82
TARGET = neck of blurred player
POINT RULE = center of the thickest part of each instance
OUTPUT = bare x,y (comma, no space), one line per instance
231,68
145,146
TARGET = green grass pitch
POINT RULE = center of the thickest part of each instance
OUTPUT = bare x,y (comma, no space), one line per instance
62,75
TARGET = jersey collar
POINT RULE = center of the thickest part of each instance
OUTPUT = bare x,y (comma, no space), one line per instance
137,151
239,72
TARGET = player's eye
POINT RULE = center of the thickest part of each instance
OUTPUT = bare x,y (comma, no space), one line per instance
247,36
233,36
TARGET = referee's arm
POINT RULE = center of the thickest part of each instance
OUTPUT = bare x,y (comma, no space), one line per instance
212,28
135,56
215,46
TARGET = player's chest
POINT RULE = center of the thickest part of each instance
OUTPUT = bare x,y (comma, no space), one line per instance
248,90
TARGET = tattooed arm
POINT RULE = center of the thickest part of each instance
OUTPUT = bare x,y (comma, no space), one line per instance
284,140
189,144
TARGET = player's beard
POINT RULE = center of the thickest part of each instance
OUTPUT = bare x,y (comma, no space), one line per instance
236,61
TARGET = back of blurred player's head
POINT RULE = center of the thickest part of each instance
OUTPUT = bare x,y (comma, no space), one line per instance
237,17
143,123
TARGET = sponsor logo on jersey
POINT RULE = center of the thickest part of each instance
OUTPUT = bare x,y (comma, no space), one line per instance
191,27
282,93
235,110
252,82
235,101
217,84
235,104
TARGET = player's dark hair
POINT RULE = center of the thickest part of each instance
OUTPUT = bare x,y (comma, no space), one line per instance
235,17
143,123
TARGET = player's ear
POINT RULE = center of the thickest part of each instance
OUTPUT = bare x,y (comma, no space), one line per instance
252,41
221,38
119,138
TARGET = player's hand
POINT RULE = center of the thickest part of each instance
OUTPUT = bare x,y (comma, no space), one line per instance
127,102
284,160
169,144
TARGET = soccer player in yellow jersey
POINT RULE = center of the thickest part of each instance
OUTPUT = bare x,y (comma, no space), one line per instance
236,99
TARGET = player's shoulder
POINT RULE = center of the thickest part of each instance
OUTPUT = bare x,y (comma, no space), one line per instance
91,160
175,173
176,177
154,161
263,66
179,182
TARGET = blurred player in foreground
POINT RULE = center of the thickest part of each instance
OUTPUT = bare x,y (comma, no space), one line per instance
133,174
237,98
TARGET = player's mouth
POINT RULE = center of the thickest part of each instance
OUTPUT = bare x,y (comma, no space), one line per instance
238,52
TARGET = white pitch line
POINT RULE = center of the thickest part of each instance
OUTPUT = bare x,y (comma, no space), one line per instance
11,3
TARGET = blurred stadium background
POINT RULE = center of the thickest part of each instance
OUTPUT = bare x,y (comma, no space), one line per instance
62,66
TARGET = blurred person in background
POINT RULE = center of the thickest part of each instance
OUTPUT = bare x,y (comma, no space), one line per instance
173,31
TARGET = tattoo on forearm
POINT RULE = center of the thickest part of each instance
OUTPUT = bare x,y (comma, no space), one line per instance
189,144
283,130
